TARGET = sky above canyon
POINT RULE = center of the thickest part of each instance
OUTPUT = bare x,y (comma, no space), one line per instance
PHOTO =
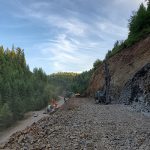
64,35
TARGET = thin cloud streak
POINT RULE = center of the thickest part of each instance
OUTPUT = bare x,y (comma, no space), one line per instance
75,33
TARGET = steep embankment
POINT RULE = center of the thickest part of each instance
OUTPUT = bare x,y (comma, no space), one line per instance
122,67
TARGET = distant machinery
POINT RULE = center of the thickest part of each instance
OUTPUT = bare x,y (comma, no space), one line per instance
103,96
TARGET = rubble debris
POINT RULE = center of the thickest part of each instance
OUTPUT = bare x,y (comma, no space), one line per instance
137,90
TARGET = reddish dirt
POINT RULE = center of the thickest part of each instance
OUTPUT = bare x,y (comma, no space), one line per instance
122,67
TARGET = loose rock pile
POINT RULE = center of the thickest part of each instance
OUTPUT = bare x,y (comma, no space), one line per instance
87,127
137,90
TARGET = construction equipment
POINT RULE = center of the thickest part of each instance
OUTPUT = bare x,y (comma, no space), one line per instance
100,97
103,96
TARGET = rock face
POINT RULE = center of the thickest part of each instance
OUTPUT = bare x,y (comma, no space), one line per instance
137,90
122,67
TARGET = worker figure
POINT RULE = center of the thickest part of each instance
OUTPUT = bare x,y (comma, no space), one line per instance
65,99
49,108
52,106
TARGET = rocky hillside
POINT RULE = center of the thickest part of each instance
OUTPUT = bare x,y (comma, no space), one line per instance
137,90
85,127
122,67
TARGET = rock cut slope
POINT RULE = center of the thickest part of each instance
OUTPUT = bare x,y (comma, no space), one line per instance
122,67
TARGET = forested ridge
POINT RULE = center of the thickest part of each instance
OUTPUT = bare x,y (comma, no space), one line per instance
139,28
69,82
20,89
81,82
62,81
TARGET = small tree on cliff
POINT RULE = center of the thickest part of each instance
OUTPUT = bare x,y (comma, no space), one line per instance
138,21
148,4
148,14
96,64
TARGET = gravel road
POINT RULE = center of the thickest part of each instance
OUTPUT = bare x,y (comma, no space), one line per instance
81,124
22,124
29,119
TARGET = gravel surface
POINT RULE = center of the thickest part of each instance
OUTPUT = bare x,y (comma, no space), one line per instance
81,124
28,120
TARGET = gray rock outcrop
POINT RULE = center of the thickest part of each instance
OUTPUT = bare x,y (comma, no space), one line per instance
137,90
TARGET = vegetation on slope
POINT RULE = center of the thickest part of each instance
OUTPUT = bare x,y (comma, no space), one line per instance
20,89
73,82
66,82
81,82
62,81
139,27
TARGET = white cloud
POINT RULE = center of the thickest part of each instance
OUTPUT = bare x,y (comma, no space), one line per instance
112,29
65,54
81,37
71,25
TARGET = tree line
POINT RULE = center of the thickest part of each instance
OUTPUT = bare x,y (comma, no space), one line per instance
139,28
62,81
81,82
20,89
73,82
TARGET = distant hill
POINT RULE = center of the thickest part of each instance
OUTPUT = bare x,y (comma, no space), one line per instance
62,80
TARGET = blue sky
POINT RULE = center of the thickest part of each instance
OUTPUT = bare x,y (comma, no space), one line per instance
64,35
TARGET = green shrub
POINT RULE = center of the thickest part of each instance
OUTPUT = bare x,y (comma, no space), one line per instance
139,28
6,116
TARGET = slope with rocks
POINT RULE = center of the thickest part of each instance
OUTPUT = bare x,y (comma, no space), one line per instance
137,90
122,66
85,125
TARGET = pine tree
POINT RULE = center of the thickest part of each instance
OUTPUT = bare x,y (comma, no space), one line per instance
1,51
20,89
137,25
138,21
141,18
148,5
148,16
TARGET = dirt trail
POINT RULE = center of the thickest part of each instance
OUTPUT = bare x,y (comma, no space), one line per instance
20,125
29,119
88,126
